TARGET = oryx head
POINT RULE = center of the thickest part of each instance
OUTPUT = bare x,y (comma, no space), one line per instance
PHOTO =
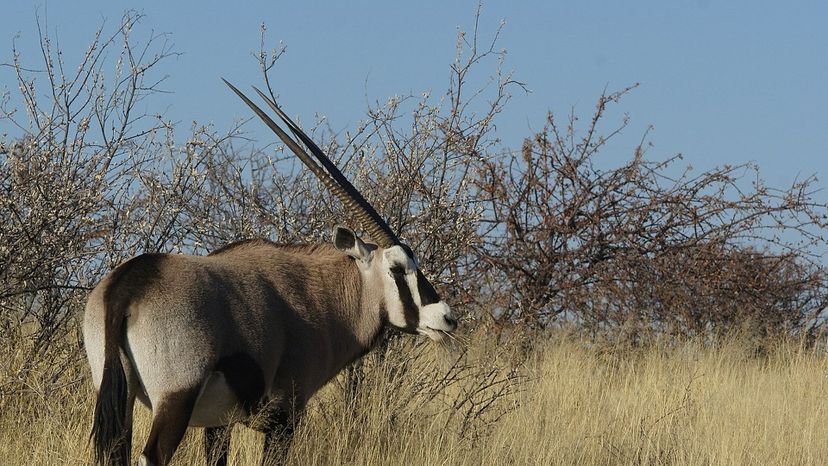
408,297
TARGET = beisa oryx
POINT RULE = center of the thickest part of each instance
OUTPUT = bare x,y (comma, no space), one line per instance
253,329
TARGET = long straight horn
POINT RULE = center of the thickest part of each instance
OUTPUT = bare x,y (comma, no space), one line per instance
334,181
376,226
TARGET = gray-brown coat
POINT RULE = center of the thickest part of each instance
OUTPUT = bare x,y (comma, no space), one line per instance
253,328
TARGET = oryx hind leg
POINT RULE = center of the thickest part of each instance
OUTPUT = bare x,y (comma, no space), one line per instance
170,418
217,445
278,430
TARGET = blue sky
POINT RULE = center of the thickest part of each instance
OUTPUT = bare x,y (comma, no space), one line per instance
722,82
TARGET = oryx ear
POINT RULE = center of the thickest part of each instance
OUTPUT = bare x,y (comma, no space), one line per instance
348,242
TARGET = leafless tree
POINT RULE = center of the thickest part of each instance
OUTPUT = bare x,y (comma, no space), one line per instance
638,251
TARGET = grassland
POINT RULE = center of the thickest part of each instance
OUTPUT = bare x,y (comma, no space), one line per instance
562,402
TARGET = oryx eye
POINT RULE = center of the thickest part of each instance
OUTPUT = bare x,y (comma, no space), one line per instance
398,270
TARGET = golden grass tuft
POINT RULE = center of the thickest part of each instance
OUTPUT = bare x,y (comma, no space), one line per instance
564,402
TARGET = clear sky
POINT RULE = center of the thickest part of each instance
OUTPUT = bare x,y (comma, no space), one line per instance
722,82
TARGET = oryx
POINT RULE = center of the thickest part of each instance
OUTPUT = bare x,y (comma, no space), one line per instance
254,326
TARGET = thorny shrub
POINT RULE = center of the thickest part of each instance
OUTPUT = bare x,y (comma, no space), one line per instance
644,249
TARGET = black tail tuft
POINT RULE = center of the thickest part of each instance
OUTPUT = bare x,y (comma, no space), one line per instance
110,433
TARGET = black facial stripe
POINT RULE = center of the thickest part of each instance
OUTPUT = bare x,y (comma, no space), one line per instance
410,312
398,269
428,295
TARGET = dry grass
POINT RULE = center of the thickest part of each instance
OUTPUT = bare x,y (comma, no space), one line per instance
563,403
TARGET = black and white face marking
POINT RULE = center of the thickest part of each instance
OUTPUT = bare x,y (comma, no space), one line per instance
412,303
414,306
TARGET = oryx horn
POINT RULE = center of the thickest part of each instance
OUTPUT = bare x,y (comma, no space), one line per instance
330,176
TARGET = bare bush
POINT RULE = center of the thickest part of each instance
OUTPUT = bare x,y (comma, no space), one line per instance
71,200
632,249
535,237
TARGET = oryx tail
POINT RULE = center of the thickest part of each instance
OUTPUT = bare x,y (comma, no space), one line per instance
110,432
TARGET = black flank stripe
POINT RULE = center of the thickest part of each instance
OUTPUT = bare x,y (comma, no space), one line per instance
412,315
245,378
